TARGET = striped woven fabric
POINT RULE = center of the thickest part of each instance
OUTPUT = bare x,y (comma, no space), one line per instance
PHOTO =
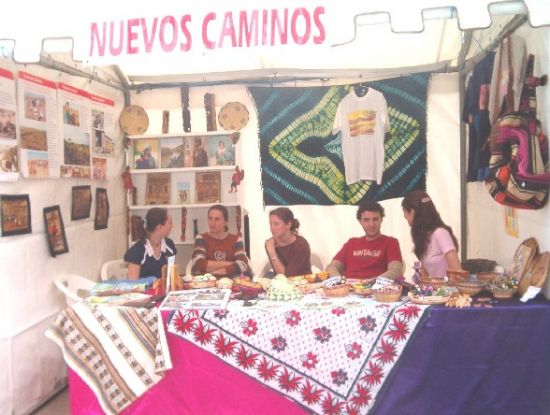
302,161
119,352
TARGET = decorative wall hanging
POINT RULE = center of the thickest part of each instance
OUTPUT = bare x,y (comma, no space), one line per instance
101,209
134,120
233,116
55,231
210,109
16,214
81,202
302,160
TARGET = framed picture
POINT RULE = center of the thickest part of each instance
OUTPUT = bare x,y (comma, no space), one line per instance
55,231
101,209
81,202
157,189
221,150
208,187
146,153
16,214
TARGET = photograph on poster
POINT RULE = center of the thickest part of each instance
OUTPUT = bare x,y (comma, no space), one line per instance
55,231
99,168
71,114
98,119
76,147
37,164
81,202
8,159
200,156
101,209
16,214
35,106
34,139
7,123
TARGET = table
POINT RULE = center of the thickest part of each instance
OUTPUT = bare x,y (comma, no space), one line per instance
460,361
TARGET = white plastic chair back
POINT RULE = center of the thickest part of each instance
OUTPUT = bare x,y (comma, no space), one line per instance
116,269
74,287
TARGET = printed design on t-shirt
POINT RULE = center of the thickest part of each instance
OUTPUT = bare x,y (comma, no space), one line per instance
219,255
362,122
374,253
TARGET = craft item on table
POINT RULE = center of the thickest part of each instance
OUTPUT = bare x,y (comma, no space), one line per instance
233,116
198,281
210,109
176,282
248,289
536,275
225,282
120,367
489,277
134,120
426,294
459,301
457,275
363,288
435,281
523,258
236,179
183,223
165,121
116,287
338,290
200,299
281,289
388,294
186,115
503,288
126,299
470,287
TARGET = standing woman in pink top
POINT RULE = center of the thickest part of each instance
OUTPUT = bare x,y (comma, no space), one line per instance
434,242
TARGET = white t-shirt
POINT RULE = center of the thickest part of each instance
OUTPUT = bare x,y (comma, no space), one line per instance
363,121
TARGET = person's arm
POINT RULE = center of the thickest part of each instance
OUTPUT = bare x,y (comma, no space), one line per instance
133,271
395,270
452,260
276,264
335,268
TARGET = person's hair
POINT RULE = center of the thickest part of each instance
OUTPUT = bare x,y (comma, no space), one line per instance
369,206
223,210
154,217
286,215
425,221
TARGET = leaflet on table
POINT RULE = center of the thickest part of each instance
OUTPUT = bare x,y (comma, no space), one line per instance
200,299
116,287
9,167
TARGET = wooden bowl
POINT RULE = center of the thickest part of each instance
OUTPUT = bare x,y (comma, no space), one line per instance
470,287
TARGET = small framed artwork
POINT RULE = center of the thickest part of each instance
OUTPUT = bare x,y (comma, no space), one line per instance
16,214
81,202
55,231
101,209
208,186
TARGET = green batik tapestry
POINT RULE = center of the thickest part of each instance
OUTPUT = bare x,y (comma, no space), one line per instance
301,159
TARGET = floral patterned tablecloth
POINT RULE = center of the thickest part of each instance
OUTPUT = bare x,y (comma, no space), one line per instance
332,356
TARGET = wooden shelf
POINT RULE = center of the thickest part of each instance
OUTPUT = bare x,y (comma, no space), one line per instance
189,206
183,169
182,134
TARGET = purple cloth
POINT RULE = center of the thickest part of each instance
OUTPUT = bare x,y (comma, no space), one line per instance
476,361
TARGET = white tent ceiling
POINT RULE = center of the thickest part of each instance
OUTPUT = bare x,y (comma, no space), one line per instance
325,40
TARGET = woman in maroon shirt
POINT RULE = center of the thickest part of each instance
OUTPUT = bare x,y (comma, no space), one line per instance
288,252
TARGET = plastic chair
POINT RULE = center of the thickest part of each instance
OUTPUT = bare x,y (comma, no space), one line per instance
74,287
116,269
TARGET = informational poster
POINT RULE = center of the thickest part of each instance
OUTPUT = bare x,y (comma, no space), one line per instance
74,106
37,103
9,166
102,126
511,223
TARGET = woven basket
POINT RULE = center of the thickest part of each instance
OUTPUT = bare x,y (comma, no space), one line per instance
434,282
504,294
198,284
389,296
429,300
341,290
488,277
470,287
456,275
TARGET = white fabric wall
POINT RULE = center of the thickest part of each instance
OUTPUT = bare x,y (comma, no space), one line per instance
487,237
32,366
326,227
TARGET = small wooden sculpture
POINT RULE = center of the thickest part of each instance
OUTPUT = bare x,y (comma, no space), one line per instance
210,108
183,223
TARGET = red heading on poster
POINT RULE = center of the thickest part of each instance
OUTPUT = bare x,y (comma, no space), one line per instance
214,30
36,79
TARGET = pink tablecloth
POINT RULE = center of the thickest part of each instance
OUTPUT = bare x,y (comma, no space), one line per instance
199,383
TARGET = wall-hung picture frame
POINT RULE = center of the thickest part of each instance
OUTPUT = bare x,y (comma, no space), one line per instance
15,212
101,209
55,230
81,202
